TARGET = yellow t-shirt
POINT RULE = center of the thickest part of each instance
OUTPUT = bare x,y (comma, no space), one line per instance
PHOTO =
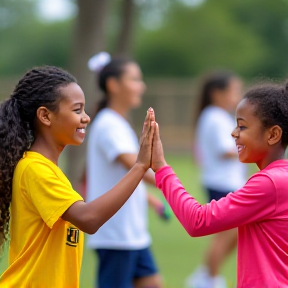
45,251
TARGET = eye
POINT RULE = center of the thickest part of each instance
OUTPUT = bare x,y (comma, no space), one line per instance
242,128
78,111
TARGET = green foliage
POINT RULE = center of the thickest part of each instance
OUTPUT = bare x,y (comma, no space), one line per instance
246,36
27,42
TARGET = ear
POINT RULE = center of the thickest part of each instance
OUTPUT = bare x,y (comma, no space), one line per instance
112,85
275,135
44,115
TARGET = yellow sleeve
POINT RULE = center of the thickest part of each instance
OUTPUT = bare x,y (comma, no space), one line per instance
50,191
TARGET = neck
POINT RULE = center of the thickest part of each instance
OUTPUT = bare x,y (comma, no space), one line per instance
274,156
47,148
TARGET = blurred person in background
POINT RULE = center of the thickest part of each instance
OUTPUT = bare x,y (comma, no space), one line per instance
221,171
122,245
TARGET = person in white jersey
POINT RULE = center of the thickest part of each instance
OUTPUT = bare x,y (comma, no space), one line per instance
221,171
122,243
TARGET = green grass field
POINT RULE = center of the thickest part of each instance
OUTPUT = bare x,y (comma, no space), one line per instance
176,253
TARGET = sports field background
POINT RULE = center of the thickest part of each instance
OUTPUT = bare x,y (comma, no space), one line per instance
176,253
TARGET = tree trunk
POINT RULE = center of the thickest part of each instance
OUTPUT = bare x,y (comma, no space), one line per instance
89,40
124,42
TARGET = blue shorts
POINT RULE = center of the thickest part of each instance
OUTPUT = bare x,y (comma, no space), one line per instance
119,268
215,194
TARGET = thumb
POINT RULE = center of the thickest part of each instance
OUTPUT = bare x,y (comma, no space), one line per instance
157,132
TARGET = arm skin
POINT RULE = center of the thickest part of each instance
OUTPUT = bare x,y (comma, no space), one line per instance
128,160
89,217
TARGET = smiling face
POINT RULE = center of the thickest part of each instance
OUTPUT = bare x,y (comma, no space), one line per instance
251,138
68,123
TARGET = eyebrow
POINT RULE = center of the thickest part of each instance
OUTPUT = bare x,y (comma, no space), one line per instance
239,118
78,103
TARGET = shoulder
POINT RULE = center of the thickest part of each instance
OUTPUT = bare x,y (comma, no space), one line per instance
262,181
277,171
36,166
38,169
108,119
210,115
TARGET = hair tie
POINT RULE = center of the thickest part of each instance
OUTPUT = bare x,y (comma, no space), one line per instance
98,61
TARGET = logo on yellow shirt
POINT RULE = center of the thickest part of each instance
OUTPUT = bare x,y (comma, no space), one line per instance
72,236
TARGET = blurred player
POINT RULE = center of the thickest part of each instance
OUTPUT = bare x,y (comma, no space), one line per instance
122,244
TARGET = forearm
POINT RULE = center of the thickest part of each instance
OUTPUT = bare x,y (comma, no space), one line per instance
91,216
255,201
198,220
128,160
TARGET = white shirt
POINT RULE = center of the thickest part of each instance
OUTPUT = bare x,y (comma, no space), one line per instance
110,136
213,139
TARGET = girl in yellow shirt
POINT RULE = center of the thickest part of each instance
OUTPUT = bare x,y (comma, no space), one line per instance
44,114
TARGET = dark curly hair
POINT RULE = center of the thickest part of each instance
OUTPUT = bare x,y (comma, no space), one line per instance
39,87
271,106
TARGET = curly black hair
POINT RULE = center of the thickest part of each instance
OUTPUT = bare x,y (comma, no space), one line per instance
271,106
38,87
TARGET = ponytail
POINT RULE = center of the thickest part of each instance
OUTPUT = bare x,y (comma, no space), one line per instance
102,104
39,87
215,80
15,140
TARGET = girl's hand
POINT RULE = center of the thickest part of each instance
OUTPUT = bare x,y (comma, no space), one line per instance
146,140
161,207
158,159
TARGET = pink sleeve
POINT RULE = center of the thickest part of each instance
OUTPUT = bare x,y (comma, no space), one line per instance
254,202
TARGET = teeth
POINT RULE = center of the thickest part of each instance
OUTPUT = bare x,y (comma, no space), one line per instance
240,147
81,130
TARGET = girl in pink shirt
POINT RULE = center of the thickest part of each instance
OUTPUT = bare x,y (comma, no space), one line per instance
260,208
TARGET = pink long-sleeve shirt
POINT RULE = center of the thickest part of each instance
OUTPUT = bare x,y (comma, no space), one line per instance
259,210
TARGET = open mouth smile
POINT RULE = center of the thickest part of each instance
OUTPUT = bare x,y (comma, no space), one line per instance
81,130
240,148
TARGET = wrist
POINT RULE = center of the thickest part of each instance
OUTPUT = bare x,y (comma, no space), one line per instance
140,167
159,165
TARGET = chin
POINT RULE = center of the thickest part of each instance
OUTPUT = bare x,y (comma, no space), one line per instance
245,160
77,142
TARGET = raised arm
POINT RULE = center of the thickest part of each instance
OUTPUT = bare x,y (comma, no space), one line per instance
89,217
256,201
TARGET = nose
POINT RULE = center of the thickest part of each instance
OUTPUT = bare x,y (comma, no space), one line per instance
85,118
235,133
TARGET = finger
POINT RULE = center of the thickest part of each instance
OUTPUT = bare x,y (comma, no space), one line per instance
157,132
151,132
146,126
152,114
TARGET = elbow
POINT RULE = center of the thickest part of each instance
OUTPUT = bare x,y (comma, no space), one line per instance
90,231
192,233
89,226
196,232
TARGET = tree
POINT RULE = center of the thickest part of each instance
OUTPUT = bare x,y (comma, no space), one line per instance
90,38
126,28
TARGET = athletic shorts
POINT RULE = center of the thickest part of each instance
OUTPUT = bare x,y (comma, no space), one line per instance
215,194
119,268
